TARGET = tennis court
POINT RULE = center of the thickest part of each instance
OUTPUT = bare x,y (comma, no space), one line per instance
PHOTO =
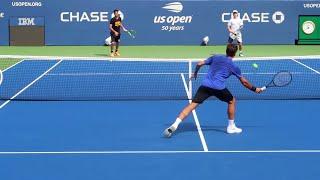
92,90
101,118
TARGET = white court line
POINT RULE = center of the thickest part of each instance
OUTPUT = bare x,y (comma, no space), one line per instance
29,57
159,152
203,141
12,65
5,103
305,66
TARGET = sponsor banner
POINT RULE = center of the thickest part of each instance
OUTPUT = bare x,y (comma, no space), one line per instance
310,5
26,21
69,17
26,4
172,17
161,22
4,32
276,17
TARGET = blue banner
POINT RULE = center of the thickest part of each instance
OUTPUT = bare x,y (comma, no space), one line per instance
82,22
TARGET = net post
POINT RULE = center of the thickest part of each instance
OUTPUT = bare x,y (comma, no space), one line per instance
190,82
1,76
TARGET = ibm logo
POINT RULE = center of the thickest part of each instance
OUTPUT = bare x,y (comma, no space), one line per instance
26,22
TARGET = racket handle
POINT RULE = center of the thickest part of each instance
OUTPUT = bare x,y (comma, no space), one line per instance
263,88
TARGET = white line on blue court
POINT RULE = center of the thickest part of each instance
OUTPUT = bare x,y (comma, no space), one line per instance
158,152
79,58
306,66
203,140
12,66
30,84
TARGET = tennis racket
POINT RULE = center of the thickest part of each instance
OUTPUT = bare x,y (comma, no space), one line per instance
282,78
131,33
233,35
1,77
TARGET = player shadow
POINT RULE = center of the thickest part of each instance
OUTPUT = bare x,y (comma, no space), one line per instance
188,126
191,127
103,55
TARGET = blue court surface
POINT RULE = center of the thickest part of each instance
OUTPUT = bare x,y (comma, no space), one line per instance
98,120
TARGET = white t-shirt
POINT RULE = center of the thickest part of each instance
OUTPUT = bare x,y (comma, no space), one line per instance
235,24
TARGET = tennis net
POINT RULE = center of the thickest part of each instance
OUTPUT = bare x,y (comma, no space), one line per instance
105,79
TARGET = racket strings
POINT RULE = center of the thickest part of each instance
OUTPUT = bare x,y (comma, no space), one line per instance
282,79
131,33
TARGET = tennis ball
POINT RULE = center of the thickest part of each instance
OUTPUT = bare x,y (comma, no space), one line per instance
255,65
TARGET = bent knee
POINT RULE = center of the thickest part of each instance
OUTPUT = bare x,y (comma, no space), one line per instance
233,101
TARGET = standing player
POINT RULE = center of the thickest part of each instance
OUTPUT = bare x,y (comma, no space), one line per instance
115,32
221,67
234,26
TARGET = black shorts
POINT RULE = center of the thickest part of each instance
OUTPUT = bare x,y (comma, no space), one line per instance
233,41
204,93
115,38
230,40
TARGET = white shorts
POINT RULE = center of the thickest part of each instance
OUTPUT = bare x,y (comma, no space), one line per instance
237,37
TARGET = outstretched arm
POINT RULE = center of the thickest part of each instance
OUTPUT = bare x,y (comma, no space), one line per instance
249,86
195,74
123,28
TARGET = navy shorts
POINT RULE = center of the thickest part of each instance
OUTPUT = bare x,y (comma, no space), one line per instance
204,93
115,38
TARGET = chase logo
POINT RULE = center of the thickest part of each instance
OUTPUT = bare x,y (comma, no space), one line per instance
79,17
257,17
278,17
121,15
174,7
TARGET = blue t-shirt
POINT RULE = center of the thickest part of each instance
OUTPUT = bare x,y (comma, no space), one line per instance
221,68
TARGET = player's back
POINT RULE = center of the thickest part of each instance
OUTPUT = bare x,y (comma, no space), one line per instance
221,68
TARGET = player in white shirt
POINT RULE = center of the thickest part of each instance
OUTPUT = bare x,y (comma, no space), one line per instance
234,26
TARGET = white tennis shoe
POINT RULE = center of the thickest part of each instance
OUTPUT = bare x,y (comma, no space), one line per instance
169,131
233,129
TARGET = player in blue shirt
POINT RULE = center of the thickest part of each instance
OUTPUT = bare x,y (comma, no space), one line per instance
221,68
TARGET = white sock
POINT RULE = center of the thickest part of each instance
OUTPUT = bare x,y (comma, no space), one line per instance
231,122
176,123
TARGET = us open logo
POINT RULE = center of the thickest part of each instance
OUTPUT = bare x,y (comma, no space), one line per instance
1,15
174,7
172,22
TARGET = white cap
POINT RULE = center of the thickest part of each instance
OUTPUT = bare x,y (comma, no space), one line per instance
235,11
